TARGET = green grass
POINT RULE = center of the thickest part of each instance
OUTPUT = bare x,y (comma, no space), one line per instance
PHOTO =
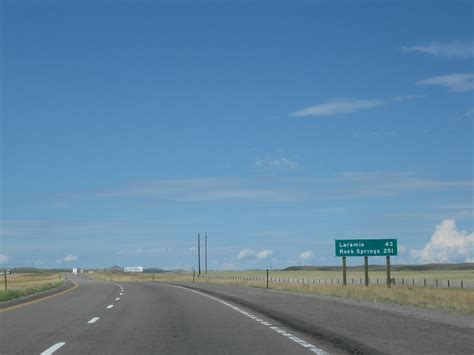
17,293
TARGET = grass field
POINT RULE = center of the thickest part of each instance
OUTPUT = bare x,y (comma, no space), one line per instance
455,299
22,284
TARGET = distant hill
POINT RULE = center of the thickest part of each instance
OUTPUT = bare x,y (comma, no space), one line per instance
424,267
153,270
33,270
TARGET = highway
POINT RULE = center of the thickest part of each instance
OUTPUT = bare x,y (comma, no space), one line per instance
101,317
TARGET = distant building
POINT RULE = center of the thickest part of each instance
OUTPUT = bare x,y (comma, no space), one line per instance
133,269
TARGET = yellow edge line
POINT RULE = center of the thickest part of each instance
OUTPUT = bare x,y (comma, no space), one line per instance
76,285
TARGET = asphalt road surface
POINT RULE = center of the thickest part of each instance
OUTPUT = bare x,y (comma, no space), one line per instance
153,318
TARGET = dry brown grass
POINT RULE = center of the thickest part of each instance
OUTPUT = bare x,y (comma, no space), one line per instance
23,284
460,300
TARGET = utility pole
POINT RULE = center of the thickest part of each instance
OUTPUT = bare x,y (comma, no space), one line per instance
205,253
199,254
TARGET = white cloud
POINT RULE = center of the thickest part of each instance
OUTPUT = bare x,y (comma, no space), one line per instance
263,254
245,254
281,163
4,259
68,258
306,255
342,106
447,244
453,82
253,256
454,49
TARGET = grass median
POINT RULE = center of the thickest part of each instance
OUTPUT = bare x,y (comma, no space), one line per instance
23,284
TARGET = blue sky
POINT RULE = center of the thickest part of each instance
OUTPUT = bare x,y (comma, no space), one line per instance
129,127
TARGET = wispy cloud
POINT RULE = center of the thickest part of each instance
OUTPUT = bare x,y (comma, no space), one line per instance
453,82
278,189
454,49
141,251
208,189
278,163
345,106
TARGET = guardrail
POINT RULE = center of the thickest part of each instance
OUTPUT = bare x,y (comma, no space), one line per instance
436,283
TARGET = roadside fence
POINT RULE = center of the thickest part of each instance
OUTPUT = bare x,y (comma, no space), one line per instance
350,281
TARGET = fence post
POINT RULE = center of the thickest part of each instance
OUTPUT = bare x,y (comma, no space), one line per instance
462,284
267,277
448,283
436,283
424,282
5,273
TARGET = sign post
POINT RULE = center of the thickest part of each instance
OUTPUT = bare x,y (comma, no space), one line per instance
366,270
344,271
366,248
389,280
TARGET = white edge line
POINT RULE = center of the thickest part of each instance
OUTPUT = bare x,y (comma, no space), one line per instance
53,348
280,331
93,320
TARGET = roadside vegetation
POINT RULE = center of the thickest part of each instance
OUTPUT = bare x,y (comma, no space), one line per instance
23,284
453,299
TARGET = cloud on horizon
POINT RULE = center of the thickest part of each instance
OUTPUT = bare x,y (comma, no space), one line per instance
252,255
306,255
67,259
455,49
458,82
4,259
447,244
347,105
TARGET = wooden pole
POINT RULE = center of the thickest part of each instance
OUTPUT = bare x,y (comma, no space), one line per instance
205,253
344,271
267,278
389,280
199,254
5,273
366,267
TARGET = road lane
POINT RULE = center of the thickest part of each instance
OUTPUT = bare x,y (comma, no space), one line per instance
164,319
35,327
147,319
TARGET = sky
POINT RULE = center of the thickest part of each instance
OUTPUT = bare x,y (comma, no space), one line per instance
127,128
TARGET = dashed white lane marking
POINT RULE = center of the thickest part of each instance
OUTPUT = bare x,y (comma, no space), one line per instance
93,320
121,294
53,348
117,298
110,306
279,330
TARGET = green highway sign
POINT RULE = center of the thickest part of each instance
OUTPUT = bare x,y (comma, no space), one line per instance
366,247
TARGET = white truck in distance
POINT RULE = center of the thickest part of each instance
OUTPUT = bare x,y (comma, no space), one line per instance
74,270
